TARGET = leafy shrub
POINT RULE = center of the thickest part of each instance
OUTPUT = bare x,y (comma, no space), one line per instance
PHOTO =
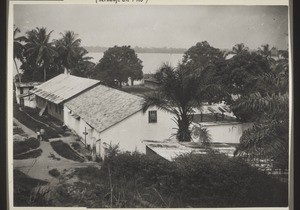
17,130
214,180
202,134
23,186
24,146
211,180
32,154
99,159
54,172
149,171
64,150
75,145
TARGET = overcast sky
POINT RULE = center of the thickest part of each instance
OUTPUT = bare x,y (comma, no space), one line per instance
160,26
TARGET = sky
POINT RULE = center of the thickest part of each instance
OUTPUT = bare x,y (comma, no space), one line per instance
160,26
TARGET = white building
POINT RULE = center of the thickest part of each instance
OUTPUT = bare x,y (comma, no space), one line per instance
23,96
52,94
103,115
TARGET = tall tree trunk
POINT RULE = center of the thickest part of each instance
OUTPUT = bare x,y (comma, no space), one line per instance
132,81
184,133
19,77
45,74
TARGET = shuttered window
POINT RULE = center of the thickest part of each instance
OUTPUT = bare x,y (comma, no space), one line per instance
152,116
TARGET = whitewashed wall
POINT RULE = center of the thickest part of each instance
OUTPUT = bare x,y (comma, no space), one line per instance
128,133
230,132
29,101
78,126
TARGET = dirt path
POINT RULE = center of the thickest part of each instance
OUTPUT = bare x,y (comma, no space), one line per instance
39,167
28,131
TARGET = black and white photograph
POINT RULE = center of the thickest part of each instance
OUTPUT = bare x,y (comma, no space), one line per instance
135,104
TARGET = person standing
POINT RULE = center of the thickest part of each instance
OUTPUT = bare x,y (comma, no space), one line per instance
38,134
42,133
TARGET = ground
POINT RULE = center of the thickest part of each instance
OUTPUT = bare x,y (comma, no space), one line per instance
45,170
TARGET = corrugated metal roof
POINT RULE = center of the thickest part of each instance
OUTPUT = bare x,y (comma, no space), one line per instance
27,84
102,106
63,87
169,150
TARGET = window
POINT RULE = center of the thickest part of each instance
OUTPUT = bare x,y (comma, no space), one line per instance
152,116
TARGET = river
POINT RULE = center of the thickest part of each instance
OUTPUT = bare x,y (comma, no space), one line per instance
151,61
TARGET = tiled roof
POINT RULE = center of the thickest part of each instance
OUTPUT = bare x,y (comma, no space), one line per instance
63,87
102,106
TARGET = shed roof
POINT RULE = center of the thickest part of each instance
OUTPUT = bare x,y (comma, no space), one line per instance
170,149
63,87
102,106
27,84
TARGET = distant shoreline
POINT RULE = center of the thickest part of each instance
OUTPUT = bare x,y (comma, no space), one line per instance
98,49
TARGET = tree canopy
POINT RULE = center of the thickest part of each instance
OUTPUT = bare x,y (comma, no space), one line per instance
18,50
202,55
269,105
181,89
117,65
72,55
39,51
43,58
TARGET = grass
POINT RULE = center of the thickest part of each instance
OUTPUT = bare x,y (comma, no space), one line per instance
23,186
17,130
31,154
24,146
54,130
54,172
64,150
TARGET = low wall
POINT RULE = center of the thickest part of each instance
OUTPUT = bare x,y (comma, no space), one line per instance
230,132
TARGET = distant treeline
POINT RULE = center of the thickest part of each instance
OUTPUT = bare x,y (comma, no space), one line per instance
141,49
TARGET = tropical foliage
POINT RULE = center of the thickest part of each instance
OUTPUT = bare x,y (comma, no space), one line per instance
39,51
18,49
117,65
269,137
71,54
238,48
181,89
43,59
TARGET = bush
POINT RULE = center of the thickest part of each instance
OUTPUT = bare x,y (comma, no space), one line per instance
54,172
24,146
134,180
64,150
23,186
75,145
32,154
215,180
17,130
211,180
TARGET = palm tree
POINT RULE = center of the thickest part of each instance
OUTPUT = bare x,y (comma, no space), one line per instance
18,49
265,51
39,49
238,48
181,89
69,50
268,138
